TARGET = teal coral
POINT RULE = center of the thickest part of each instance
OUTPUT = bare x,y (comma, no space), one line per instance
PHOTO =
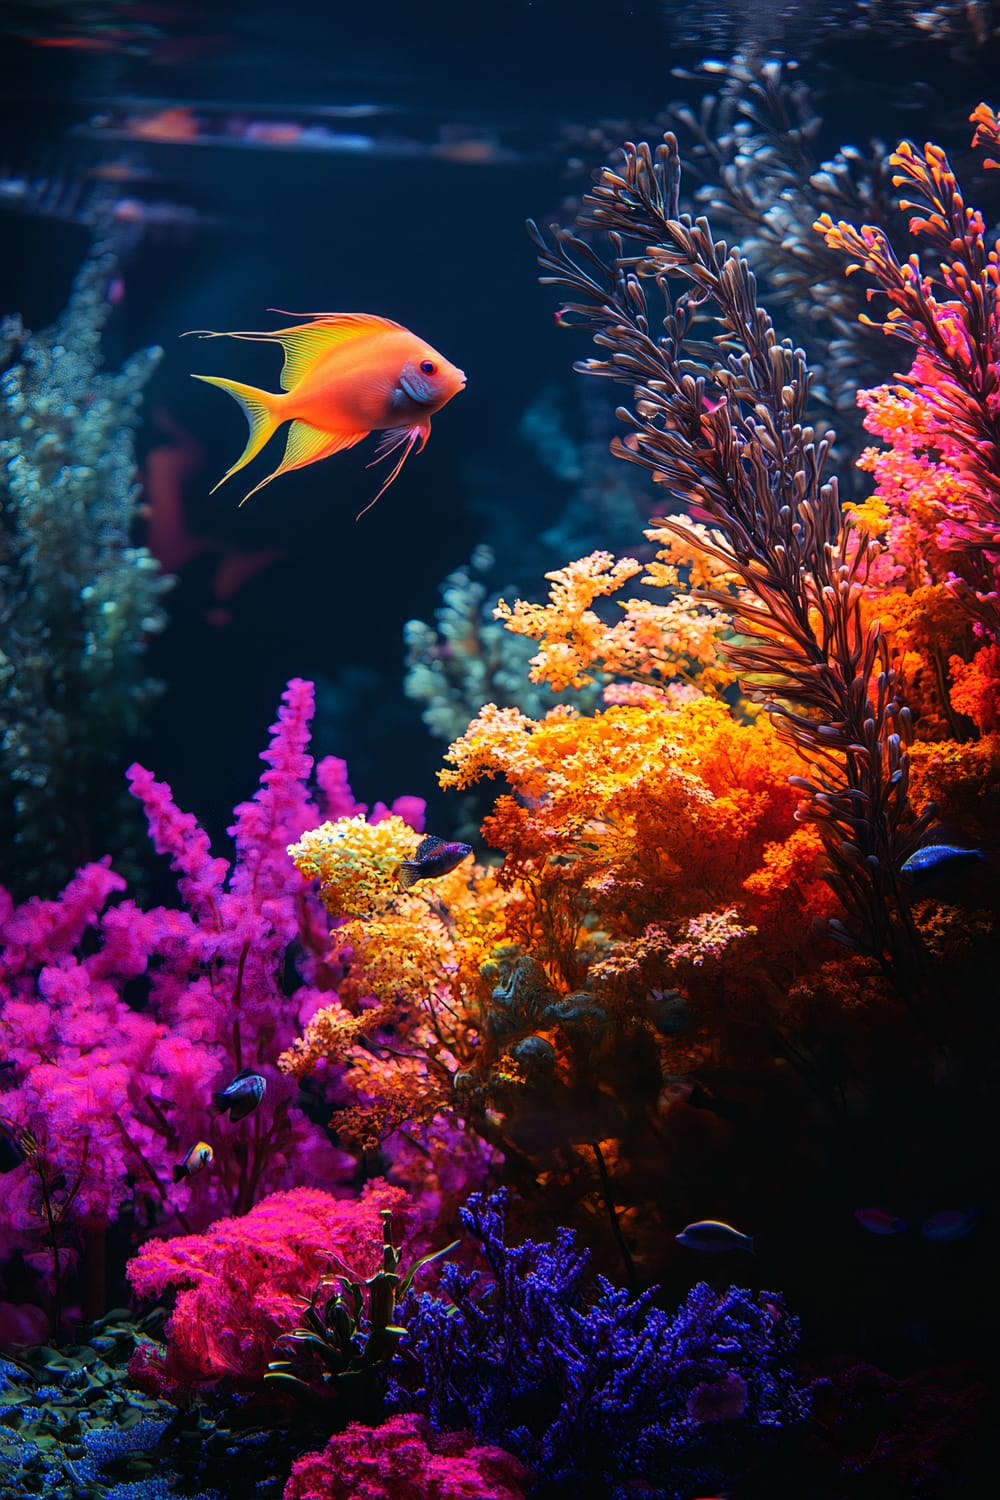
77,598
467,658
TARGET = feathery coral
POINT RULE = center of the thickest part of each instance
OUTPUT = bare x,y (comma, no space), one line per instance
239,1285
405,1459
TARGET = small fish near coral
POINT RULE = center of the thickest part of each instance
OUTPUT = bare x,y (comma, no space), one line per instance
200,1156
950,1224
433,858
345,375
241,1097
940,861
877,1221
711,1236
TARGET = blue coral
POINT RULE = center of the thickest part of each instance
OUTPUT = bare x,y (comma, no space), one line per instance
600,1392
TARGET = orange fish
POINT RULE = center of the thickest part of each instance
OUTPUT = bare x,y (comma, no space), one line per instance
345,375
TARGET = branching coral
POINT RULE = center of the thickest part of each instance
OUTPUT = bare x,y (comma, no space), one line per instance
671,650
77,599
723,426
412,962
592,1387
639,814
465,659
943,418
113,1095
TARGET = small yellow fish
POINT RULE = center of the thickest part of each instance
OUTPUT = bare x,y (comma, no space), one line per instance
201,1155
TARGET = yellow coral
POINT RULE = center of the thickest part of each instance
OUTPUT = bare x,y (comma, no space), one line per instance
355,861
654,645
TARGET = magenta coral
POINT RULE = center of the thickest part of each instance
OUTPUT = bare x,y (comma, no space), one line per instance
406,1460
238,1284
114,1095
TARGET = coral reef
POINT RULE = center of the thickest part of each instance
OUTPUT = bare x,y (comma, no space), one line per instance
108,1095
465,660
732,440
405,1459
77,598
241,1285
606,1391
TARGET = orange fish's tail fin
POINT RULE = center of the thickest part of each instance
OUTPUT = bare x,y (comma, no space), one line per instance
259,410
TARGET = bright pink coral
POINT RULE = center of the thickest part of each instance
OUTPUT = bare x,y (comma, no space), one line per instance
116,1094
406,1460
237,1284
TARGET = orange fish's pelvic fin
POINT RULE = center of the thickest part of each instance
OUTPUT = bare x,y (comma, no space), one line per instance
306,445
389,442
258,408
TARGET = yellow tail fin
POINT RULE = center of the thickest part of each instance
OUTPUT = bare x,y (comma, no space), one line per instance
259,410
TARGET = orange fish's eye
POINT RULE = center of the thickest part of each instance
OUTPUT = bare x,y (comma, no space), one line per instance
428,367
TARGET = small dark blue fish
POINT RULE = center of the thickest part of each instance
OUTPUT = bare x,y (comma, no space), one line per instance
949,1224
712,1236
940,860
877,1221
241,1097
434,857
201,1155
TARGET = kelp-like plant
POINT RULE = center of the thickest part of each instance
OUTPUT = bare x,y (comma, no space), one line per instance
722,424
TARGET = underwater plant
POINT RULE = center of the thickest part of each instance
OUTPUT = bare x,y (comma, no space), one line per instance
71,1424
77,598
938,485
723,426
241,1285
596,1390
350,1331
113,1094
406,1459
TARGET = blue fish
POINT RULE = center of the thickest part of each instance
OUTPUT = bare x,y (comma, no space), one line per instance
877,1221
711,1236
940,859
241,1097
434,857
949,1224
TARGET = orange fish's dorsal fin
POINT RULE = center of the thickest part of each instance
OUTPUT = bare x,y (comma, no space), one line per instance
305,445
307,342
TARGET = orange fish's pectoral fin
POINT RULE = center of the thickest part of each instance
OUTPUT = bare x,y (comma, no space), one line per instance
307,445
258,408
391,440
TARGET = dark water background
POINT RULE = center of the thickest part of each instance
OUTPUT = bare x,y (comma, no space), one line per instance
436,244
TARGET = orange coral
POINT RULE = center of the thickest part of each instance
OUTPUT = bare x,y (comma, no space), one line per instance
622,817
976,688
670,649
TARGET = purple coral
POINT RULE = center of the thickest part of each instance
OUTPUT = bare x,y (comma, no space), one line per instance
593,1387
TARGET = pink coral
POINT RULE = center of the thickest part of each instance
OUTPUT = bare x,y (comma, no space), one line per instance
238,1284
406,1460
115,1095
